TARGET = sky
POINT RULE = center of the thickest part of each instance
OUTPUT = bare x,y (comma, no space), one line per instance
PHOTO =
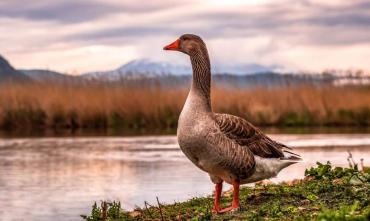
77,36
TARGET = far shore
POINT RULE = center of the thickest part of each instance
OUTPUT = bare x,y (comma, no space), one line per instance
56,107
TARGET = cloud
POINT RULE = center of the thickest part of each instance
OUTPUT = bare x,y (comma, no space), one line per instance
309,23
283,32
73,11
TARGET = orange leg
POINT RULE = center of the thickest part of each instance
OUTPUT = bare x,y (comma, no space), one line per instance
218,191
235,204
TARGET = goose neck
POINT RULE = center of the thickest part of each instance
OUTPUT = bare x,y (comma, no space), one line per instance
201,84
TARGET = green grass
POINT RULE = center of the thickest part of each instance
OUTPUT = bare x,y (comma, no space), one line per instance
325,194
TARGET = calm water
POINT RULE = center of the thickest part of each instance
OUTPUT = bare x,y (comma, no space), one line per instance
60,178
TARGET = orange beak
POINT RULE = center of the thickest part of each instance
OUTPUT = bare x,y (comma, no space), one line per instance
173,46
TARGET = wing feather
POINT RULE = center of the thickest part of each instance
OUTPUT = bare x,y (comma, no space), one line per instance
245,134
231,156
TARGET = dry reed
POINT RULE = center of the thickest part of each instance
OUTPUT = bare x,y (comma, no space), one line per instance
104,106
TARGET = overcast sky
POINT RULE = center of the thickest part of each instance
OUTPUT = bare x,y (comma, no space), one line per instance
76,36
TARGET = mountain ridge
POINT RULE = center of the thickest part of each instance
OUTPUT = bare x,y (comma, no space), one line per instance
148,68
168,74
9,73
41,75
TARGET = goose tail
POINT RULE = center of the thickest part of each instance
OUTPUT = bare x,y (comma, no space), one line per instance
290,156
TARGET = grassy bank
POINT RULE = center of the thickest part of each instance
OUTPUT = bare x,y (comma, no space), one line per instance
102,106
326,194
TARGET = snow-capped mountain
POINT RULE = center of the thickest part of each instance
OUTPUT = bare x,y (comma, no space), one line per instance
146,66
137,69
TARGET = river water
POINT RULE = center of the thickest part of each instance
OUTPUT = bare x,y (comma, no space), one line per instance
60,178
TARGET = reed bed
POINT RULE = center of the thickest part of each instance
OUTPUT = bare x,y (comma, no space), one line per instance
41,105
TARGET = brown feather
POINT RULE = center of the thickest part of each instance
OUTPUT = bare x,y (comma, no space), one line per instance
238,160
245,134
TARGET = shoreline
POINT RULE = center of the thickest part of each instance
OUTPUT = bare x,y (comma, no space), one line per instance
112,132
326,193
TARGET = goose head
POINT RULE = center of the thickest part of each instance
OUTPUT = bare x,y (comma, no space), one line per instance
188,43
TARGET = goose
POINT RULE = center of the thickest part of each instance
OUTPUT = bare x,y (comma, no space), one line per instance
227,147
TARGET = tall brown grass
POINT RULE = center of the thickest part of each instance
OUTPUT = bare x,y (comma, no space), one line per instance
103,106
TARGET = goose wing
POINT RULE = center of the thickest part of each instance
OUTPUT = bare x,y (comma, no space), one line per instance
246,135
230,156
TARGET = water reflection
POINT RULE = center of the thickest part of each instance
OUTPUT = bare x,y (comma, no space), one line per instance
59,178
